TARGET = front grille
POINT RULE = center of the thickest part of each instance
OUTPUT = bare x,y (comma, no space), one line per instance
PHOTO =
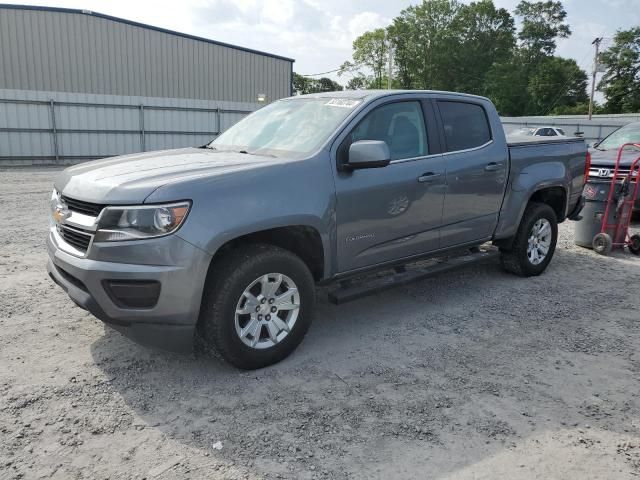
606,173
86,208
76,238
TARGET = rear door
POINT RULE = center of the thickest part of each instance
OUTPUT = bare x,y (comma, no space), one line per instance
384,214
476,172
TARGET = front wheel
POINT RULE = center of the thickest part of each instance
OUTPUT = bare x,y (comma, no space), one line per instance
634,244
257,307
534,243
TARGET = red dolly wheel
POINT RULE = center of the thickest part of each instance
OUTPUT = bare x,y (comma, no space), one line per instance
634,244
602,244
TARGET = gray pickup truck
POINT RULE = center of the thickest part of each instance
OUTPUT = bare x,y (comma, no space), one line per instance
222,245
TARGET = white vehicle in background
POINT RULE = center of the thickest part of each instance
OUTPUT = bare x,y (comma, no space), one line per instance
542,132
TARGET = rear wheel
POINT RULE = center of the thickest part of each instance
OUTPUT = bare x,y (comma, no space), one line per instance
258,307
634,244
602,244
534,243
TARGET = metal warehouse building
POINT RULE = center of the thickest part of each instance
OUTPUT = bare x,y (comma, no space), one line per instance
77,85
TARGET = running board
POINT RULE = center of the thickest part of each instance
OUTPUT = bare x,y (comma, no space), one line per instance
350,290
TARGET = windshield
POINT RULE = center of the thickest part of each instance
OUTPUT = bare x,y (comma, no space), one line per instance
290,127
627,134
526,131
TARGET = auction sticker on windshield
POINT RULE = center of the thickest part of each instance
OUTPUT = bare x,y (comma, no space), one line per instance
342,102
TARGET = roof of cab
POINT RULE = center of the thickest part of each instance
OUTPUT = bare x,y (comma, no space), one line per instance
373,94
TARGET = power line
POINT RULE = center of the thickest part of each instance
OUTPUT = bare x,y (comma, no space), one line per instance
321,73
565,88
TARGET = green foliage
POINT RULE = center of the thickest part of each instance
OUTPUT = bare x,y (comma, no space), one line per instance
359,82
472,48
506,85
621,82
370,50
556,82
542,24
577,109
485,35
423,37
304,85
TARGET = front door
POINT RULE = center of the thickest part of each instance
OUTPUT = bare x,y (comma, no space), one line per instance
384,214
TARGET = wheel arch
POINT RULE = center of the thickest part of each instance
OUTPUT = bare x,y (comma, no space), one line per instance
305,241
554,194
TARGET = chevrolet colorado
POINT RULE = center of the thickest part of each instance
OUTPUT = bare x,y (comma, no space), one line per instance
225,243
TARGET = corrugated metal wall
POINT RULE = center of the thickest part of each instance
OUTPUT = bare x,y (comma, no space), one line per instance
63,128
63,50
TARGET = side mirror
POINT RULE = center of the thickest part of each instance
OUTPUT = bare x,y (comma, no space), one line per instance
368,154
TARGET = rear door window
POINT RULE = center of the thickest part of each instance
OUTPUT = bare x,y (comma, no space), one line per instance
465,125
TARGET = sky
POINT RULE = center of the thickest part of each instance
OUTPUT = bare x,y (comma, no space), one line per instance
318,33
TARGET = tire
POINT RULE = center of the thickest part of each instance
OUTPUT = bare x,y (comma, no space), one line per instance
602,244
517,259
634,244
220,327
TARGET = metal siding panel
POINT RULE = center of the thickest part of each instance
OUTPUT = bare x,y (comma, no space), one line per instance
29,52
89,54
5,46
245,80
73,52
17,53
112,74
217,73
73,70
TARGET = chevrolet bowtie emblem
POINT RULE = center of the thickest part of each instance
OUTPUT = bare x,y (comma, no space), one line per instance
60,213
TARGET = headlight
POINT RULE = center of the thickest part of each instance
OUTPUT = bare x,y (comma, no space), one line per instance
55,201
138,222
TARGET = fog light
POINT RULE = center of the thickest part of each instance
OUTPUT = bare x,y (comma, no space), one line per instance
133,293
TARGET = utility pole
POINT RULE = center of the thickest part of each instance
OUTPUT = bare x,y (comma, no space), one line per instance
596,43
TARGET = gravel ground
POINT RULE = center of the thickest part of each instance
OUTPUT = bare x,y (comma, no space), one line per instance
473,374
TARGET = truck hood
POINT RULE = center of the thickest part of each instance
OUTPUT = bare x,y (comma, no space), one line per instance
607,158
132,178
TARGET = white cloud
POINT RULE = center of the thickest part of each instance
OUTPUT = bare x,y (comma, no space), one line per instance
365,21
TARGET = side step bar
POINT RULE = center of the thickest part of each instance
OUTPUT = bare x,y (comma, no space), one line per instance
403,275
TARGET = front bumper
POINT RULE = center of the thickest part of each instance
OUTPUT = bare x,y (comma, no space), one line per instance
177,266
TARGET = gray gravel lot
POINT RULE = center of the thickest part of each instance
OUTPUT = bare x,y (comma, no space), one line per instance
473,374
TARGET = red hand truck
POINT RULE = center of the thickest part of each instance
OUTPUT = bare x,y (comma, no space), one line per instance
622,197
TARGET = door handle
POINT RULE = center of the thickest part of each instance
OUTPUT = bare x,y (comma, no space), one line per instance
493,166
428,177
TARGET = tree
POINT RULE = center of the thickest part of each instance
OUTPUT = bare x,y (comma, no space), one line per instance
327,85
424,39
542,24
358,82
304,85
485,35
506,85
556,82
533,81
450,45
370,50
621,82
300,84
